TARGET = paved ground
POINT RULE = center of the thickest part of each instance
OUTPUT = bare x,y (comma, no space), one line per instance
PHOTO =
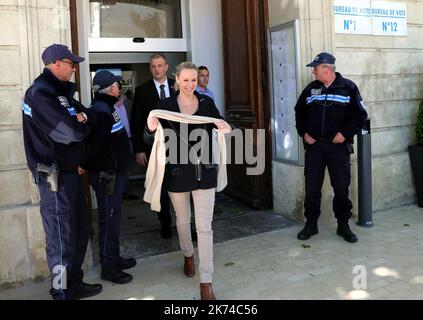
140,227
386,263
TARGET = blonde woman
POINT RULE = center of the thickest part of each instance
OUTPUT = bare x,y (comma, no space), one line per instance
195,178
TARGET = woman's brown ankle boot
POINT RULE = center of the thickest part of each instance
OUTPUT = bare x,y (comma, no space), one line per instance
206,291
189,266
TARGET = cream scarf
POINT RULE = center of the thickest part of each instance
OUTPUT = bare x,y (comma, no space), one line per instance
157,161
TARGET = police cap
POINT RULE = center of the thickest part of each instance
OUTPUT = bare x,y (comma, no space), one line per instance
322,58
59,52
104,79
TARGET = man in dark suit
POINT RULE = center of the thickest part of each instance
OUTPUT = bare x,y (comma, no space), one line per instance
146,98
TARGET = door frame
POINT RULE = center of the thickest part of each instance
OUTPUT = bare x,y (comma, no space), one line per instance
75,50
258,113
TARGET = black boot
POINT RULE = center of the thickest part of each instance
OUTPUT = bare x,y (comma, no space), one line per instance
126,263
310,229
115,275
85,290
60,294
76,292
345,232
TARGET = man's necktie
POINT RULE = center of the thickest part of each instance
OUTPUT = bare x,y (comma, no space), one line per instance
162,92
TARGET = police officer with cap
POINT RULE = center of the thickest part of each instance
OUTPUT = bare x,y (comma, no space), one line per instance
55,126
328,113
107,162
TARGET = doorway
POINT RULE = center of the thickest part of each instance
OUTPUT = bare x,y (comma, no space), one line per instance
129,53
121,36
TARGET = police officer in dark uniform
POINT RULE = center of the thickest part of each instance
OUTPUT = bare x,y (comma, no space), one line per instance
107,163
55,126
329,112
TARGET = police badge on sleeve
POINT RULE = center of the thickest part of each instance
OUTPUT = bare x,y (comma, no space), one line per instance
116,116
64,101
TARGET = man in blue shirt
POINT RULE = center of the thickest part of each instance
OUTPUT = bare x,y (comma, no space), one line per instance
203,82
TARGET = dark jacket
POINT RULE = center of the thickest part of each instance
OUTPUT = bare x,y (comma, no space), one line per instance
145,99
180,177
323,112
51,130
108,144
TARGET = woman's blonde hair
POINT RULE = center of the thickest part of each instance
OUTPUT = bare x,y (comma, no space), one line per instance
183,66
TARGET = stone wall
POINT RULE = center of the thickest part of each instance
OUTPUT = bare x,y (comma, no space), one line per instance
388,71
28,27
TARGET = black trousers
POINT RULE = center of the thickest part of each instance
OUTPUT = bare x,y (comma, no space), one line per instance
336,157
164,214
109,218
65,221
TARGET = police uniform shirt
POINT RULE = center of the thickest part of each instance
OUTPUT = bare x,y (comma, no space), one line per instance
323,112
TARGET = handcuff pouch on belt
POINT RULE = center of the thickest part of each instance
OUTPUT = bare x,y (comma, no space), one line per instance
108,179
52,174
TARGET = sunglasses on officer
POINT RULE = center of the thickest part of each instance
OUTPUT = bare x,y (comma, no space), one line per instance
71,63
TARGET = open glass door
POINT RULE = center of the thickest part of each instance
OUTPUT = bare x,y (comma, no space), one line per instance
138,26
